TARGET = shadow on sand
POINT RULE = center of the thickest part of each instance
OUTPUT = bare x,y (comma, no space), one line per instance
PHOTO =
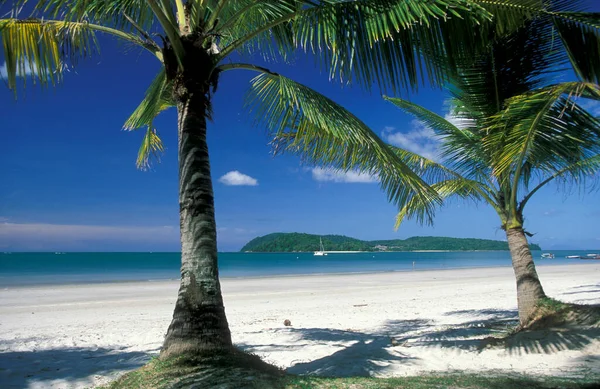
367,354
22,369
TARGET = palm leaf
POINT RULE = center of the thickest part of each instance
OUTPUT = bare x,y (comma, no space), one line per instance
420,209
579,32
304,122
116,13
578,172
246,21
382,42
151,148
165,16
545,127
462,149
158,98
43,48
440,125
429,171
581,37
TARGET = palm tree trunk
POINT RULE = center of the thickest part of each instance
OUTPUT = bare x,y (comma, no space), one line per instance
199,323
529,288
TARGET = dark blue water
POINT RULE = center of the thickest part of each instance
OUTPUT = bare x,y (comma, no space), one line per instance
52,268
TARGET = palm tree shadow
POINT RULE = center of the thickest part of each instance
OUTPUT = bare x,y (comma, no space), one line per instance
473,334
497,331
571,328
550,341
369,353
21,369
359,353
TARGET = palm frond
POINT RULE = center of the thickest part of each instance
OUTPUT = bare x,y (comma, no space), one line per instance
151,148
510,15
114,13
306,123
580,33
165,16
158,98
521,130
420,209
584,169
461,147
261,28
545,128
43,49
440,125
390,43
429,171
528,58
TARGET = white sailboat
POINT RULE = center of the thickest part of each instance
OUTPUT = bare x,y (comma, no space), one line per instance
321,251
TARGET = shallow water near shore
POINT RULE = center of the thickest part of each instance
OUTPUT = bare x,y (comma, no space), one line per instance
21,269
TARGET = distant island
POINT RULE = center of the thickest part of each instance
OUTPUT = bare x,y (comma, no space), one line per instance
281,242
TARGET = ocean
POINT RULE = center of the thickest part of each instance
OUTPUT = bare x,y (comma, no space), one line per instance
26,269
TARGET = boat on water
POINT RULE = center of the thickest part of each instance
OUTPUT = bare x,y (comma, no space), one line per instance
321,251
591,256
547,255
573,256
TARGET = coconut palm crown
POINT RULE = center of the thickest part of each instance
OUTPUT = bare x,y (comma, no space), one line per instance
392,44
515,130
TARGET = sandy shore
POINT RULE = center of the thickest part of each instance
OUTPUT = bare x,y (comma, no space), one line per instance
387,324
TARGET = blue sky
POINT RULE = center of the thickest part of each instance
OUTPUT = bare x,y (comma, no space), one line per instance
69,182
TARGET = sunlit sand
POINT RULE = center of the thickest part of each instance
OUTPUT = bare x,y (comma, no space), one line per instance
386,324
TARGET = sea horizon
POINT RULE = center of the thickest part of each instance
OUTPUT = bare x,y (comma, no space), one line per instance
55,268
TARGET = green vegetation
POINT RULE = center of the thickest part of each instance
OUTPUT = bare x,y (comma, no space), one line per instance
514,130
296,242
247,371
455,381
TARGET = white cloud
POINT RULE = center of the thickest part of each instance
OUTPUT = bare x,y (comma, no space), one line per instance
236,178
323,175
420,140
4,70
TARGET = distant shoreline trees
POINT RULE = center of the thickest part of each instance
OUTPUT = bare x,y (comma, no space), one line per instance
299,242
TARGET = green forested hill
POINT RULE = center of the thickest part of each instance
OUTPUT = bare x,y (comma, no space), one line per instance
297,242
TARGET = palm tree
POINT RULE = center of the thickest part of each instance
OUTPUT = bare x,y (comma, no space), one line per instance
197,41
389,43
514,132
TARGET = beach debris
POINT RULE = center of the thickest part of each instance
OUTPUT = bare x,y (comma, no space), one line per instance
360,305
287,323
396,342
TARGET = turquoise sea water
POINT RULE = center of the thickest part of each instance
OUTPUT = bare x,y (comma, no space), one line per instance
18,269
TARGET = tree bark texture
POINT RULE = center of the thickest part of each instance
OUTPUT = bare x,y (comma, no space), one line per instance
199,323
529,287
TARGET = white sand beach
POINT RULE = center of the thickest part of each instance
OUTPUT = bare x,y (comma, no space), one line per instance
387,324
